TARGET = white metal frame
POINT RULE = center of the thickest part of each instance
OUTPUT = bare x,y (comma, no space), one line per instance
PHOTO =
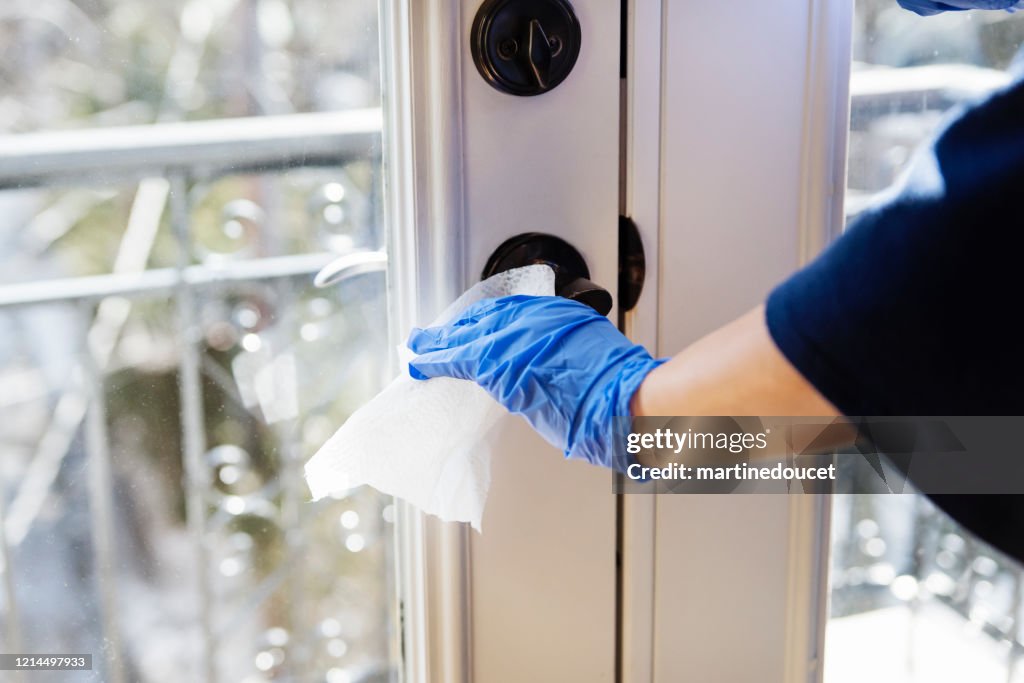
423,181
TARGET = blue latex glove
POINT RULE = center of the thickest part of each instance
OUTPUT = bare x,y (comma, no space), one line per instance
558,363
929,7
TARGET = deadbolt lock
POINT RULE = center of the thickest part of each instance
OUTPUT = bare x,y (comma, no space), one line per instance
525,47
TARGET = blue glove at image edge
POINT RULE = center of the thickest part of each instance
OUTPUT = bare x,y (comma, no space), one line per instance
927,8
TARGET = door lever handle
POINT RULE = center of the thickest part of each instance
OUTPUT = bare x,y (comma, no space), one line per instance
350,265
572,277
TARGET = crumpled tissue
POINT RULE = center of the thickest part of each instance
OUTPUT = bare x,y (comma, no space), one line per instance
424,441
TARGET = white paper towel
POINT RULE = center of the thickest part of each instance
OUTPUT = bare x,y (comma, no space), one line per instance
425,442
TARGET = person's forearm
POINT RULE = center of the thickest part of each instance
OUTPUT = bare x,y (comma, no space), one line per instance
735,370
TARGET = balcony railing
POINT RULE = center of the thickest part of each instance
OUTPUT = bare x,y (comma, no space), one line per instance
164,159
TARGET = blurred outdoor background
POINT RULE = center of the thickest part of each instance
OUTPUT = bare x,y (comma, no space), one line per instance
914,597
166,365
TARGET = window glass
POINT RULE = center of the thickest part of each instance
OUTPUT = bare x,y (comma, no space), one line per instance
915,597
166,364
90,63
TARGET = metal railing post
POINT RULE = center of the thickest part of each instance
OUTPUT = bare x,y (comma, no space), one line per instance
101,511
12,625
192,422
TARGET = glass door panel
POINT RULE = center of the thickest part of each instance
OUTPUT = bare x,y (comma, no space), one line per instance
171,179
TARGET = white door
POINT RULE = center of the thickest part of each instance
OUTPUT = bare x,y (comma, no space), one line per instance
746,165
533,597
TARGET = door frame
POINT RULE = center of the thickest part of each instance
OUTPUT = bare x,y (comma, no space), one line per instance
423,152
801,525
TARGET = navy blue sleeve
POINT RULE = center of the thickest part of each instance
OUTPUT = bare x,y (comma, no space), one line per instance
915,310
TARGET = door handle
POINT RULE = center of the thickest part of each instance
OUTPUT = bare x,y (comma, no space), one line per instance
351,265
572,277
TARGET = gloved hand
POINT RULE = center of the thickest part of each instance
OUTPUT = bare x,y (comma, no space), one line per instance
559,363
929,7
